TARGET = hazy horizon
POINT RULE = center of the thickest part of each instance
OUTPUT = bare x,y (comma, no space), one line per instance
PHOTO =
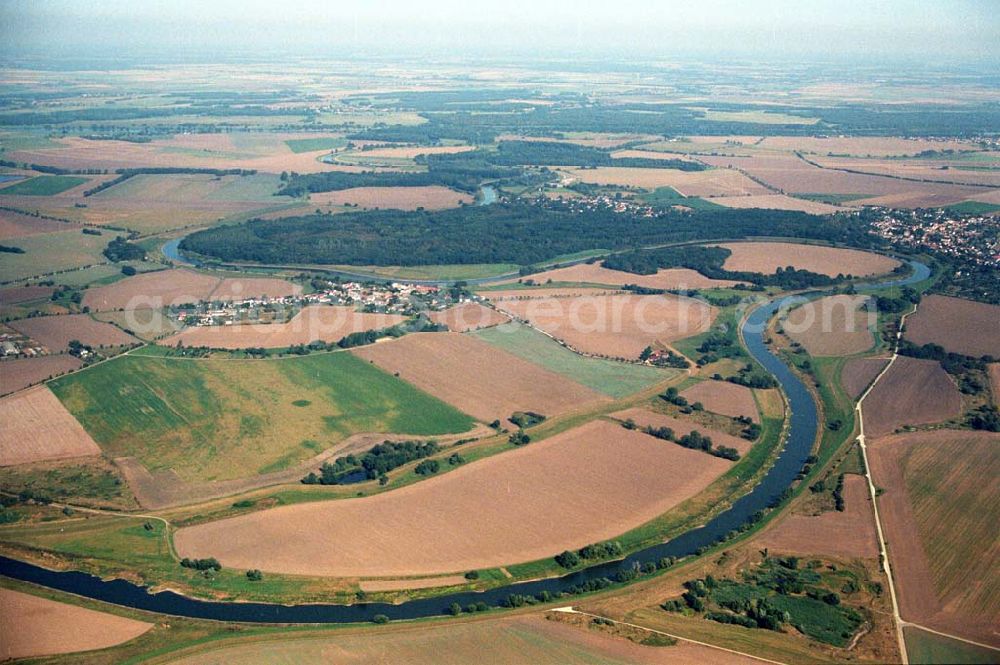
956,31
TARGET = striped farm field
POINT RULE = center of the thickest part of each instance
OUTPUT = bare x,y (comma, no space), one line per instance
224,419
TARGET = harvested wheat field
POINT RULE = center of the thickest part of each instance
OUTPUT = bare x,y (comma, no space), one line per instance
848,534
646,418
442,365
56,332
431,197
316,322
527,504
930,170
858,373
724,397
959,325
912,392
468,316
151,290
23,372
31,626
713,182
520,640
16,225
592,273
833,326
939,510
241,288
616,326
776,202
37,427
861,146
767,257
18,294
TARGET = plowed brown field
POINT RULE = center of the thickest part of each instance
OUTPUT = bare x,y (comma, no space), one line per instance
23,372
645,417
959,325
724,397
858,373
468,316
767,257
254,287
592,273
33,626
432,197
617,326
584,485
16,225
37,427
714,182
56,332
832,326
151,291
476,377
912,392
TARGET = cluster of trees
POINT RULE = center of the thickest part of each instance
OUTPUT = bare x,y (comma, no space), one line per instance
752,378
519,438
985,418
904,303
524,419
375,463
694,440
751,430
121,249
201,564
593,552
519,233
10,249
427,468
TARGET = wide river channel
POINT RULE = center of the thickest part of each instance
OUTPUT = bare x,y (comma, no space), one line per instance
801,433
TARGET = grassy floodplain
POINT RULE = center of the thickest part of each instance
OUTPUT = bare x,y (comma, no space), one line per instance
219,419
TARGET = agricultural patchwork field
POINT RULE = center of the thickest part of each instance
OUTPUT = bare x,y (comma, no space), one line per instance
23,372
523,505
776,202
912,392
939,510
31,626
16,225
316,322
610,377
501,383
592,273
713,182
615,326
239,288
46,253
19,294
767,257
223,419
151,290
36,427
468,316
56,332
833,325
961,326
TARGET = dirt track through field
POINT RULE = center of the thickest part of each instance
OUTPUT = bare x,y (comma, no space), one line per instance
584,485
34,626
858,373
35,426
912,392
476,377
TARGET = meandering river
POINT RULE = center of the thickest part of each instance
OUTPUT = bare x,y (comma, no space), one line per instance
800,435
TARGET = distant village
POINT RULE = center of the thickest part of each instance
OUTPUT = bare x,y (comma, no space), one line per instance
972,238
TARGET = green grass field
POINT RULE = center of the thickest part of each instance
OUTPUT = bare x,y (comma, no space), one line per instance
43,185
606,376
314,144
51,252
973,208
925,648
668,196
220,419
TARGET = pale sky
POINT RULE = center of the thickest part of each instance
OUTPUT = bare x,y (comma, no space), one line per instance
967,30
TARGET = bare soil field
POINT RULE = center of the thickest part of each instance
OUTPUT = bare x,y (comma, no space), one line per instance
23,372
432,197
151,290
593,273
644,417
37,427
832,326
939,512
56,332
961,326
767,257
316,322
912,392
724,397
17,294
238,288
849,534
858,373
546,292
861,146
468,316
31,626
520,640
714,182
616,326
16,225
776,202
476,377
791,175
527,504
